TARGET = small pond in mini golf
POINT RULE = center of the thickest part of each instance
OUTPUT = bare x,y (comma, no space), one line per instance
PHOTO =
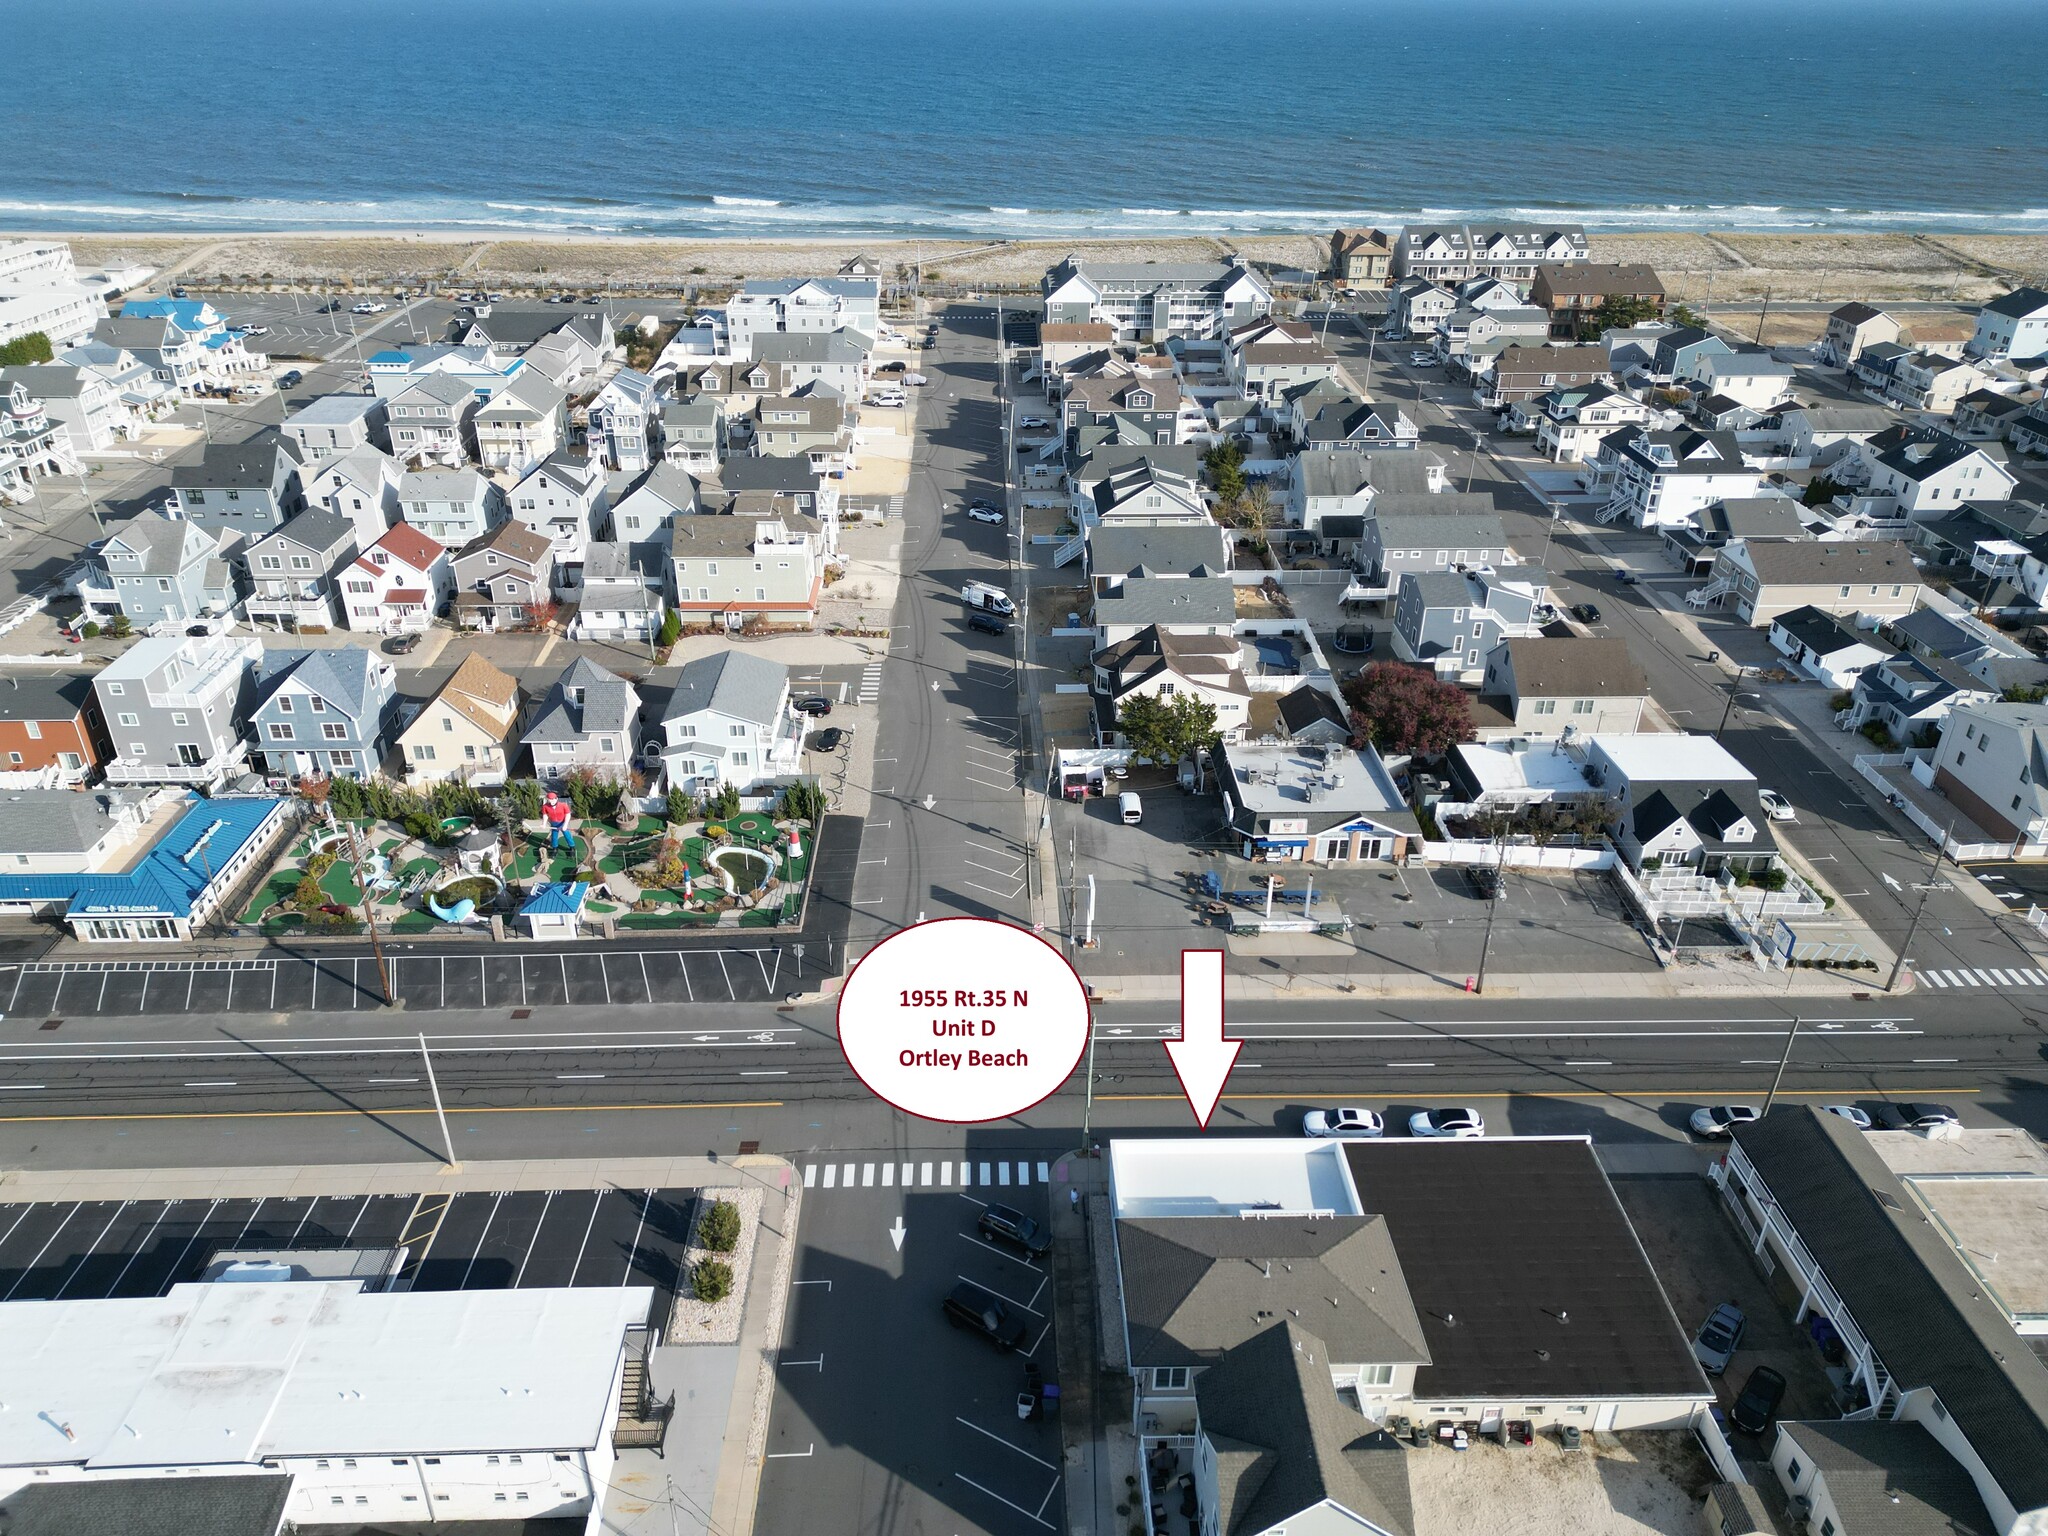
454,826
749,870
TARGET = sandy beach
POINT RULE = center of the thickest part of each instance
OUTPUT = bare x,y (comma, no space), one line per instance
1697,266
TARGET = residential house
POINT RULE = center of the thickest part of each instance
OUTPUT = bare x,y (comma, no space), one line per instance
1928,476
1142,494
1158,663
176,361
1406,532
1333,418
162,571
1343,482
1754,379
504,579
693,433
1415,305
295,571
45,830
566,502
362,486
1265,356
589,719
2029,431
1850,329
1117,552
224,358
837,360
621,596
32,446
398,584
1573,421
1875,578
1723,413
334,425
1931,382
1871,370
1821,434
1150,410
1694,545
1151,301
813,427
625,421
789,482
1311,716
1523,372
1823,647
1911,696
175,705
570,359
1544,686
52,730
801,305
1927,1346
736,569
1511,252
1183,605
665,493
139,395
2015,326
82,403
1659,479
1453,620
245,488
1684,801
450,506
1467,340
1361,258
1571,293
523,423
433,420
1679,351
327,713
728,721
1062,346
1984,415
1992,764
397,369
469,729
516,329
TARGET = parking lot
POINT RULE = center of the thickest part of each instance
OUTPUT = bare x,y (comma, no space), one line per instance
885,1414
1419,918
492,978
94,1249
295,327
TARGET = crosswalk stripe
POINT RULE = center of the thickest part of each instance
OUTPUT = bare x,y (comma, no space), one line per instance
2003,979
2037,978
810,1175
1960,978
831,1175
985,1181
889,1176
846,1177
945,1173
1023,1173
924,1174
1983,977
867,1175
1044,1176
1935,977
1003,1174
908,1170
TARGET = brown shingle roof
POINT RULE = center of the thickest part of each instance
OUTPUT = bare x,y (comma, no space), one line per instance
1583,668
482,694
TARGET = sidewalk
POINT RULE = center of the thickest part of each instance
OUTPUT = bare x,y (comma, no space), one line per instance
1683,982
1096,1439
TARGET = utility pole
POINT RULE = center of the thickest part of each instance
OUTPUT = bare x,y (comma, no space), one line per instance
1088,1094
1791,1035
1927,890
1549,534
1472,463
91,500
1734,693
1500,859
1762,315
441,1114
355,853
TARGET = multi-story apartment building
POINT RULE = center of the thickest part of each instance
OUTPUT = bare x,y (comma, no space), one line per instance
295,572
1659,479
625,421
564,501
1152,301
450,506
2014,326
83,402
362,486
334,425
732,569
32,446
522,424
1360,258
175,707
776,306
330,712
247,488
1511,252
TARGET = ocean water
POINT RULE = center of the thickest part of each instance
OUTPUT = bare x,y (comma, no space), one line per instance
949,118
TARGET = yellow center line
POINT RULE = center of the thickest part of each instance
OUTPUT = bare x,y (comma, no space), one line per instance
375,1114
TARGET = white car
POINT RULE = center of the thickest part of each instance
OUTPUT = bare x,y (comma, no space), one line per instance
1717,1120
1776,806
888,400
1346,1124
369,307
1420,359
1850,1113
1032,423
915,378
255,330
986,515
1459,1123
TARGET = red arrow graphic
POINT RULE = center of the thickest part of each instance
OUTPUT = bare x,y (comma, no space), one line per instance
1201,1057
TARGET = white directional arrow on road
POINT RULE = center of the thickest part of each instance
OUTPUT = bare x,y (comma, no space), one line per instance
896,1234
1201,1057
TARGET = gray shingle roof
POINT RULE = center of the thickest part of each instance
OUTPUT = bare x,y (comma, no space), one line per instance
1170,600
241,1504
162,541
314,528
608,705
53,821
1921,1310
334,410
1891,1478
44,695
1452,531
1285,1444
735,683
340,675
1802,563
1579,667
1167,551
235,466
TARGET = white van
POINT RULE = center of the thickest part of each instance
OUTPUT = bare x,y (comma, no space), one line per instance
1132,807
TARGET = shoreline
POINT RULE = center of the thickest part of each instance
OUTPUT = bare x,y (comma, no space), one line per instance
1697,265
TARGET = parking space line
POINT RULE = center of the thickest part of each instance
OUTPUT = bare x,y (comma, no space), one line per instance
1005,1444
527,1257
998,1252
683,966
981,1204
1040,1339
732,994
639,1227
30,1267
587,1226
1055,1488
481,1237
138,1249
999,1296
970,1482
79,1263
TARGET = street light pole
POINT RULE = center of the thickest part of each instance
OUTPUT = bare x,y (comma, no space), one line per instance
1500,859
1734,692
441,1114
1791,1035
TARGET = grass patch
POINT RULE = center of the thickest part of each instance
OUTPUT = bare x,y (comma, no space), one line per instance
661,920
415,922
278,887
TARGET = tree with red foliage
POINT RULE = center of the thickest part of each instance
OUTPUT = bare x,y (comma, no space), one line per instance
1402,710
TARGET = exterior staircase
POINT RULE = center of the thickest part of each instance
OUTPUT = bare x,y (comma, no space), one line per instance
1709,595
643,1420
1071,551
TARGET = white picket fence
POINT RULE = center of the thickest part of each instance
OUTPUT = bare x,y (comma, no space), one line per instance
1518,855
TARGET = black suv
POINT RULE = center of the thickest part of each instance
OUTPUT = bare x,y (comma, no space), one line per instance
969,1306
814,706
1012,1226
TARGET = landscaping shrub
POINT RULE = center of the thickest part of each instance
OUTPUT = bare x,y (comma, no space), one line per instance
476,888
91,631
720,1228
711,1279
724,805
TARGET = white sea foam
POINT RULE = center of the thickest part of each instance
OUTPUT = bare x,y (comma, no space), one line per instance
746,202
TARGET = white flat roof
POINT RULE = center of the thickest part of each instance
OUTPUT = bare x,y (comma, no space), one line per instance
1498,766
1667,757
1204,1178
215,1374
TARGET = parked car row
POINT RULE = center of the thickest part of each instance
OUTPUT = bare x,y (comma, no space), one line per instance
1715,1122
1350,1123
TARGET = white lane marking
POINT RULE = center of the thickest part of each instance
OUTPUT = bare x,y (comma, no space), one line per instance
810,1175
888,1175
831,1175
867,1175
